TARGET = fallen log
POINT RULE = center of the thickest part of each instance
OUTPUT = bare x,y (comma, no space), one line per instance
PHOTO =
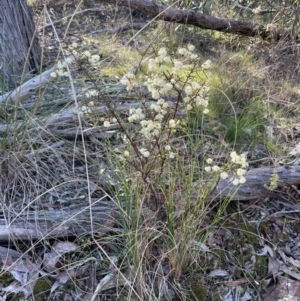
257,183
27,225
77,220
208,22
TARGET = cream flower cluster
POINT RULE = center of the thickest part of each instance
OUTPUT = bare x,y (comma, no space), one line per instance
136,115
160,108
167,76
144,152
173,124
240,160
237,160
150,127
60,70
91,93
92,58
207,64
256,10
128,80
196,96
95,58
85,109
168,149
107,123
188,52
211,167
158,86
72,49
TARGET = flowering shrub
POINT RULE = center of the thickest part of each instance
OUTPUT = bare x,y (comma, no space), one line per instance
176,77
177,88
148,166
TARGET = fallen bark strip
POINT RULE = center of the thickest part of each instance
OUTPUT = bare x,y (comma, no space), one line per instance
257,181
70,221
190,17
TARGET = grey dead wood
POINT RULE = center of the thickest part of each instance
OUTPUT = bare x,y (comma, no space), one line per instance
258,179
28,225
76,220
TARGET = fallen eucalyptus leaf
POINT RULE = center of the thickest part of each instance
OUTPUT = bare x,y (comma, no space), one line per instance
218,273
